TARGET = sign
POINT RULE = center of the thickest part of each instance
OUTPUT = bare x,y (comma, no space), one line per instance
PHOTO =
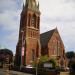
48,65
22,56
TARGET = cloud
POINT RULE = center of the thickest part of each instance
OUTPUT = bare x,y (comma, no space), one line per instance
7,5
54,13
10,14
9,20
10,4
69,1
60,14
66,30
9,23
54,8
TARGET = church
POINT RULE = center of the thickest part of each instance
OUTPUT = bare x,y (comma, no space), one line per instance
31,44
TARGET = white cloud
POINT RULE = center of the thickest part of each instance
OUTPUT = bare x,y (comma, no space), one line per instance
60,13
69,1
10,5
66,30
10,20
7,5
56,8
9,23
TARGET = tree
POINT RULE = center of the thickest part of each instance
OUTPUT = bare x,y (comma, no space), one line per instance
45,59
42,60
7,52
72,64
70,54
53,61
4,53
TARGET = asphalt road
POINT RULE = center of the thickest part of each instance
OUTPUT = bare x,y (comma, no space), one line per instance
3,72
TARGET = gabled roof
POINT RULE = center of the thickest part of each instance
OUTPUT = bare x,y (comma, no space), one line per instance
45,37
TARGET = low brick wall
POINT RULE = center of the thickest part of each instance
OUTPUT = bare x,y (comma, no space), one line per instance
44,71
64,73
28,70
40,71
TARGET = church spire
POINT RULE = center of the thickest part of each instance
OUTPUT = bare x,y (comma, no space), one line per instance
23,5
31,4
27,1
38,5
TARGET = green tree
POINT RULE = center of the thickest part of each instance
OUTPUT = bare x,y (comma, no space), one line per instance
53,61
72,64
70,54
42,60
6,52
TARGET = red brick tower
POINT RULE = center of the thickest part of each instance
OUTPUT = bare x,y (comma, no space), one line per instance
28,47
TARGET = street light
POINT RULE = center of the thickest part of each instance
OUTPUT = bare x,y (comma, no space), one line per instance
37,60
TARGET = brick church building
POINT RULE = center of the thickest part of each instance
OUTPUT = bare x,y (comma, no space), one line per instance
31,44
53,47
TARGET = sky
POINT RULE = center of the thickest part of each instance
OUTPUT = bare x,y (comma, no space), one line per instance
54,13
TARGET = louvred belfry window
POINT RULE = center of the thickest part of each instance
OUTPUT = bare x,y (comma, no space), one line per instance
34,21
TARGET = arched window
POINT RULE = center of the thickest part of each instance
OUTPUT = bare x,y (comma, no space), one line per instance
33,55
33,20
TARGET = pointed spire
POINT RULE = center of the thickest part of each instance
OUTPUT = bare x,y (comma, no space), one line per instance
23,5
31,4
38,5
25,2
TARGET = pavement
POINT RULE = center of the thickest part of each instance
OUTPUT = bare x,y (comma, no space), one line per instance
6,72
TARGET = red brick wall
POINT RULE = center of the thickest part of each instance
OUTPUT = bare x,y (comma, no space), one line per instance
31,35
55,48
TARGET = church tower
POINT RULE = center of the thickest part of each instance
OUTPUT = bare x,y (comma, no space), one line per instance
28,46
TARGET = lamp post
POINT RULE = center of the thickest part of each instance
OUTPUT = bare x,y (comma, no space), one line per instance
36,66
37,59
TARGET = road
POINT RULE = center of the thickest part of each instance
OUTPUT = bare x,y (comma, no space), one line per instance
3,72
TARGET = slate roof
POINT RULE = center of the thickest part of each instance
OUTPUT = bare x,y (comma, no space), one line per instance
45,37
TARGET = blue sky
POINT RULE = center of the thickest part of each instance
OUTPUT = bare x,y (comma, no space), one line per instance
54,13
